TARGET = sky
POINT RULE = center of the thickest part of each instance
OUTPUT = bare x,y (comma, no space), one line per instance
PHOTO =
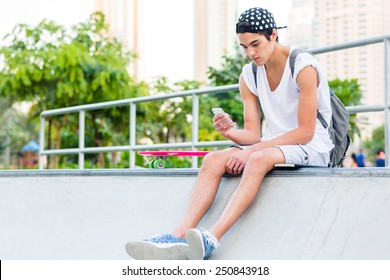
159,61
31,12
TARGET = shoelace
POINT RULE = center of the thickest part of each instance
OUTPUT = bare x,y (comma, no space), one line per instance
210,238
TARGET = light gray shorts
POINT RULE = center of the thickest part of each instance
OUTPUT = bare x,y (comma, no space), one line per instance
300,154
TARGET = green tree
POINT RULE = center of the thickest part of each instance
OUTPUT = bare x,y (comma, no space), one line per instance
53,68
349,92
168,120
227,74
376,142
17,130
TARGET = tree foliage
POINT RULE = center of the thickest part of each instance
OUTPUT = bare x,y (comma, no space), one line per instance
227,74
170,120
53,68
17,128
349,92
376,142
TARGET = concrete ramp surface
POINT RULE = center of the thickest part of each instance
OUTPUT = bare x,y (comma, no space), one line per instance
314,213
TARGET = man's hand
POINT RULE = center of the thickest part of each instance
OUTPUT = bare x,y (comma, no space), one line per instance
223,123
236,163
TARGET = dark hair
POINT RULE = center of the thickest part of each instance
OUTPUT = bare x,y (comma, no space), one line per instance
379,151
267,33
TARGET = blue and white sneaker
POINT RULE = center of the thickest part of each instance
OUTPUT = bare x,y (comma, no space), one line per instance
201,243
161,247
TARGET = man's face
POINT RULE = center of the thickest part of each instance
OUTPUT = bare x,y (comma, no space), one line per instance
256,47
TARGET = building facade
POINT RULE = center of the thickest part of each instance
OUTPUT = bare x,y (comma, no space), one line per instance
211,30
122,19
214,25
338,21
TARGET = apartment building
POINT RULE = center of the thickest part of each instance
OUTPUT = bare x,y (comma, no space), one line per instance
204,29
122,19
214,24
325,22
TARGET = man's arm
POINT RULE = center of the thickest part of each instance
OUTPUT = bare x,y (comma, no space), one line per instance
250,134
307,81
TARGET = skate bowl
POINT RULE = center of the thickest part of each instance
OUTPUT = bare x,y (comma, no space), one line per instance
311,213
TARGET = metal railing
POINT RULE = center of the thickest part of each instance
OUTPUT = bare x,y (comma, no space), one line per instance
196,94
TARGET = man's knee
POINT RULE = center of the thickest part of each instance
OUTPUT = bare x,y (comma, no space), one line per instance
212,159
217,158
257,158
265,159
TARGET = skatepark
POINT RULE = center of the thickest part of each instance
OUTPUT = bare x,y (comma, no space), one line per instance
304,214
310,213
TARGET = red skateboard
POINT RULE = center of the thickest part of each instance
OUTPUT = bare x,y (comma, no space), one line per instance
160,157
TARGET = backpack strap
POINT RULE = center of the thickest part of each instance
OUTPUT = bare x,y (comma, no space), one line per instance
293,57
322,120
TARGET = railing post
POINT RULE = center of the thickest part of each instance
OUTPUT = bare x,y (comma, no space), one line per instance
195,127
387,100
41,141
132,134
81,138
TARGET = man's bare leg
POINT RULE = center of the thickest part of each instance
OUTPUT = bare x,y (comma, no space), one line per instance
258,165
202,243
205,189
173,246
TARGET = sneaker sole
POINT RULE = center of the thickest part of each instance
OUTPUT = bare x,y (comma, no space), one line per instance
195,245
141,250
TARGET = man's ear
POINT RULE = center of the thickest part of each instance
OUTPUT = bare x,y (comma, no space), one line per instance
274,34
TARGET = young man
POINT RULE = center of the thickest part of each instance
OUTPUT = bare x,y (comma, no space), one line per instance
293,135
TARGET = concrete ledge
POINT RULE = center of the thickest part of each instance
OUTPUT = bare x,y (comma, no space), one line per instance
355,172
311,213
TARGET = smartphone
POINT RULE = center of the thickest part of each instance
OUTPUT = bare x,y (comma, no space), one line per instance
218,111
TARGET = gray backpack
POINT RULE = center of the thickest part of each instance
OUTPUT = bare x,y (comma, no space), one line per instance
338,128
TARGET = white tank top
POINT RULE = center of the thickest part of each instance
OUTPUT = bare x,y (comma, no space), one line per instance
280,107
